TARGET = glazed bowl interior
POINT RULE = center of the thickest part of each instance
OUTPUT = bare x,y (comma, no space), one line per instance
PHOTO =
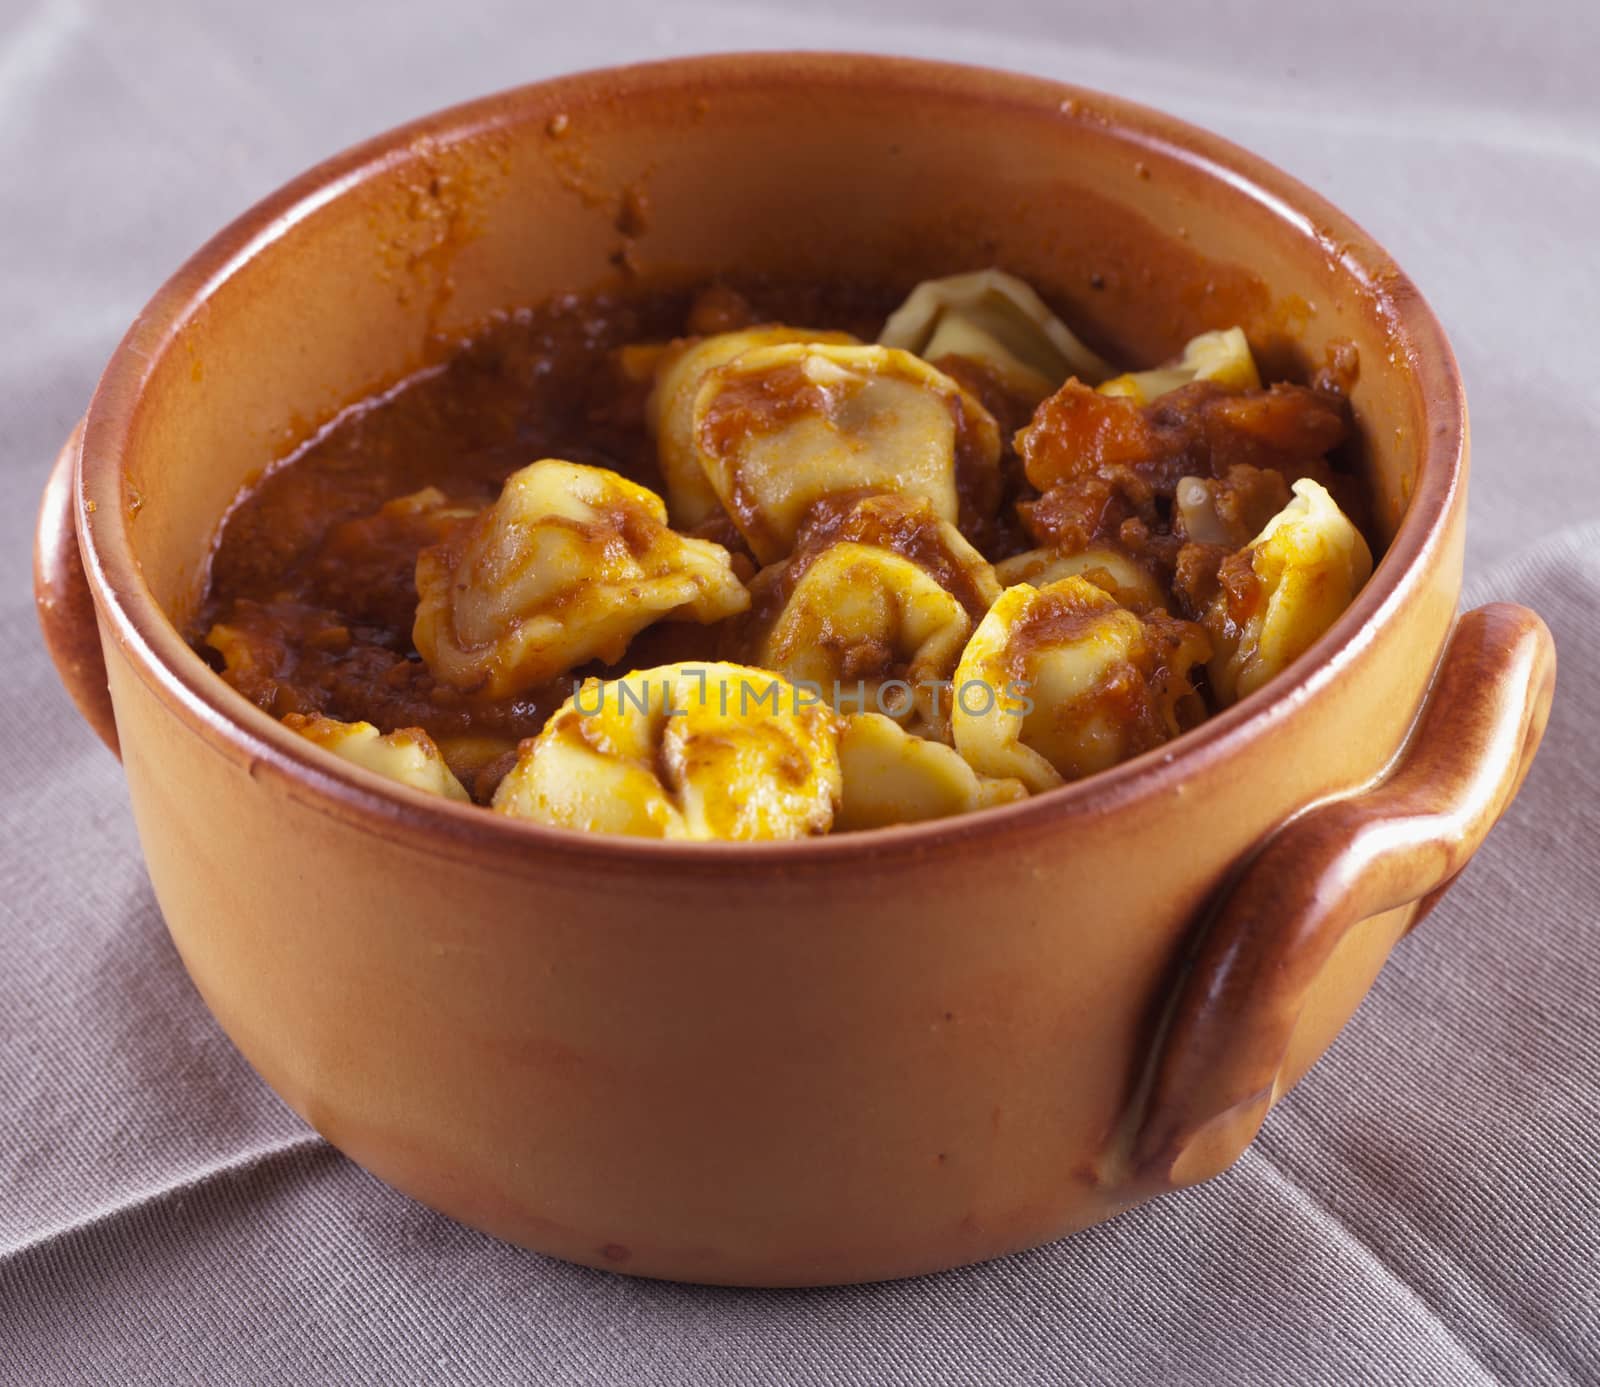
1140,231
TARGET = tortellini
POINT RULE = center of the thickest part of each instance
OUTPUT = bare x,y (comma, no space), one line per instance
866,646
779,428
876,605
691,751
682,368
893,777
1127,580
995,319
567,566
1223,357
408,755
1304,569
1059,682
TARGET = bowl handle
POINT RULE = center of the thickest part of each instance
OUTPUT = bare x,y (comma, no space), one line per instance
61,594
1237,998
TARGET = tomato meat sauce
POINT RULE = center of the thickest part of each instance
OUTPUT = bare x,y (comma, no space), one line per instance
312,593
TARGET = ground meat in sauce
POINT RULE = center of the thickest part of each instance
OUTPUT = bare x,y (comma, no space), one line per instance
321,582
1105,469
313,574
1133,690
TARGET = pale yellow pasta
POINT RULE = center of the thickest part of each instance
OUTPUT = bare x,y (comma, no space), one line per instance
857,598
408,755
1124,578
679,371
1308,563
1059,682
567,566
1222,356
867,623
995,319
837,529
894,777
693,751
780,428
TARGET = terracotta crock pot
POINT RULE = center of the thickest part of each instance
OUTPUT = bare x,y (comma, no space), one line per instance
844,1059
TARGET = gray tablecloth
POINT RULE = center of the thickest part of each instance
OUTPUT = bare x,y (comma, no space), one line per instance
1423,1209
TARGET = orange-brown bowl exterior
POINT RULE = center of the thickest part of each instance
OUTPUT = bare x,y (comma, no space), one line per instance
847,1059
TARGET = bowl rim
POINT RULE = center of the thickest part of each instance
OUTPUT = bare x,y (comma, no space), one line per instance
187,686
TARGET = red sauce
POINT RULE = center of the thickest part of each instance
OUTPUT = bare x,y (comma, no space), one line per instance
314,570
320,581
1105,468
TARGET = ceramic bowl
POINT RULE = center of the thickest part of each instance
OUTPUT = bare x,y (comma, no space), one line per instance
845,1059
